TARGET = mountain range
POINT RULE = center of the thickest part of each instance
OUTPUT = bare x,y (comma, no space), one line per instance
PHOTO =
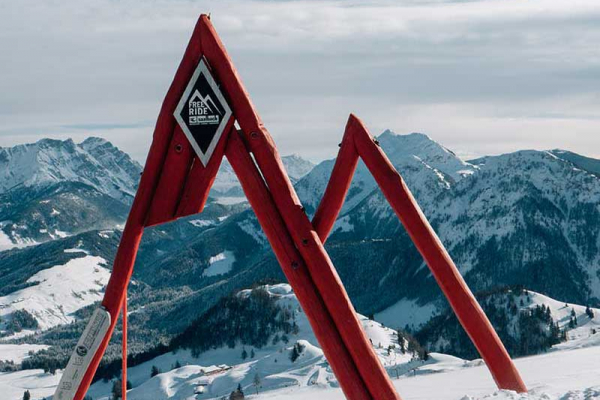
528,218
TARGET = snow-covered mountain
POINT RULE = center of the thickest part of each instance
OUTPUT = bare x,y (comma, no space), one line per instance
94,162
53,188
56,188
227,190
424,163
529,217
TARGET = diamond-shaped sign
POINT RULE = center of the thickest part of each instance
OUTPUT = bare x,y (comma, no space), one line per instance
202,112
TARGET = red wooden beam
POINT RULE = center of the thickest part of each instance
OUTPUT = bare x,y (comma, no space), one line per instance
304,236
464,304
136,221
337,188
295,270
172,180
124,350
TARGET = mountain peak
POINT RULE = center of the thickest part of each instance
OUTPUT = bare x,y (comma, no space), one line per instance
94,141
94,162
411,136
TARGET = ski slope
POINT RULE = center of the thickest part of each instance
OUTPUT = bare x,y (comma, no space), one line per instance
559,375
568,372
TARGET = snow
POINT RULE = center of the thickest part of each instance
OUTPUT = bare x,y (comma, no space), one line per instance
343,224
579,337
40,384
202,223
18,352
560,375
6,243
272,362
227,190
61,234
228,201
94,162
566,373
56,293
220,264
75,251
251,227
406,312
423,162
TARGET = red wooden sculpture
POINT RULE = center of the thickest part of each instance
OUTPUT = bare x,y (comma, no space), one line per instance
195,129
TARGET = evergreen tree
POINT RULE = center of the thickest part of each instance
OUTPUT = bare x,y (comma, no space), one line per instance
589,312
252,353
276,339
244,354
116,391
294,354
256,381
154,371
27,395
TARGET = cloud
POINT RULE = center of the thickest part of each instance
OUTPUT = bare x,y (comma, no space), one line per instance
481,76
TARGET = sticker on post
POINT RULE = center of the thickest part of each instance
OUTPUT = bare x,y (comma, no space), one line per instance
202,113
82,356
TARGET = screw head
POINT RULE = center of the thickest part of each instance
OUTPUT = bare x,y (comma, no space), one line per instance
253,135
295,265
305,242
178,148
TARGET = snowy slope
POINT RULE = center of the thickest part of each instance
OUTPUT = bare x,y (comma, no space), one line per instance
18,352
272,362
526,321
406,313
565,375
54,294
561,375
583,334
219,371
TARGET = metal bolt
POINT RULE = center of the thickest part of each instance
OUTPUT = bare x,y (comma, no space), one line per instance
254,135
375,141
178,148
340,144
295,265
305,242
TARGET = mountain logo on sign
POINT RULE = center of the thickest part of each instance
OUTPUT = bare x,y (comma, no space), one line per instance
203,110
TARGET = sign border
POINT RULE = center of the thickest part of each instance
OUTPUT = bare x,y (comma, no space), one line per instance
202,68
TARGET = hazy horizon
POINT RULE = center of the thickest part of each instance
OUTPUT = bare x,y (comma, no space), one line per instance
483,77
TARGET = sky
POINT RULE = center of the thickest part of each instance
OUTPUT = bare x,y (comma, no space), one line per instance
480,77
